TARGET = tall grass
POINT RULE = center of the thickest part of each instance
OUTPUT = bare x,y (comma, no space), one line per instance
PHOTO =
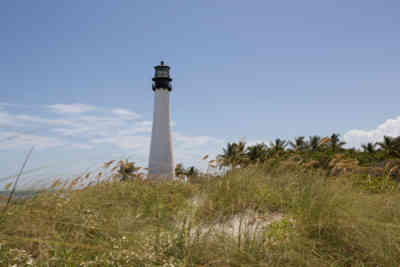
323,221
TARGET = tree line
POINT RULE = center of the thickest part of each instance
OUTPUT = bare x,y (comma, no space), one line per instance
316,149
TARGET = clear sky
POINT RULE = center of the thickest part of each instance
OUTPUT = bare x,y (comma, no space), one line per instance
75,76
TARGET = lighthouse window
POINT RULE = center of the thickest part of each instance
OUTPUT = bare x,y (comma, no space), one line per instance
162,73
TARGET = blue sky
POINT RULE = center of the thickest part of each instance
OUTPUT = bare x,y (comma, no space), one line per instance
75,76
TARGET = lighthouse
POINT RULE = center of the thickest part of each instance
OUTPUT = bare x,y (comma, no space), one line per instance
161,163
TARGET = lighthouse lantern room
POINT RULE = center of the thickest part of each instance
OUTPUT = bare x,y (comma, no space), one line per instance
161,79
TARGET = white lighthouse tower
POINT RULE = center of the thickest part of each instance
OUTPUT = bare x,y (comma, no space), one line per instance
161,163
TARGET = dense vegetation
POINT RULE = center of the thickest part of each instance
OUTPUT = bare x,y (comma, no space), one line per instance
327,154
300,203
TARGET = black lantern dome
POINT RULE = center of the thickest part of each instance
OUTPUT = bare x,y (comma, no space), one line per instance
161,79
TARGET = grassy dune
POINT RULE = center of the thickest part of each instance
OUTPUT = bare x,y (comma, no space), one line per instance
258,216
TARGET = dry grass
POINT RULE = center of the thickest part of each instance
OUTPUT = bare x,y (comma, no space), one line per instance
223,221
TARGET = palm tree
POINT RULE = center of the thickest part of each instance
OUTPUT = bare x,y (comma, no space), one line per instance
226,158
257,153
179,169
192,171
369,147
335,143
397,145
299,144
233,155
314,143
278,146
127,170
391,146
